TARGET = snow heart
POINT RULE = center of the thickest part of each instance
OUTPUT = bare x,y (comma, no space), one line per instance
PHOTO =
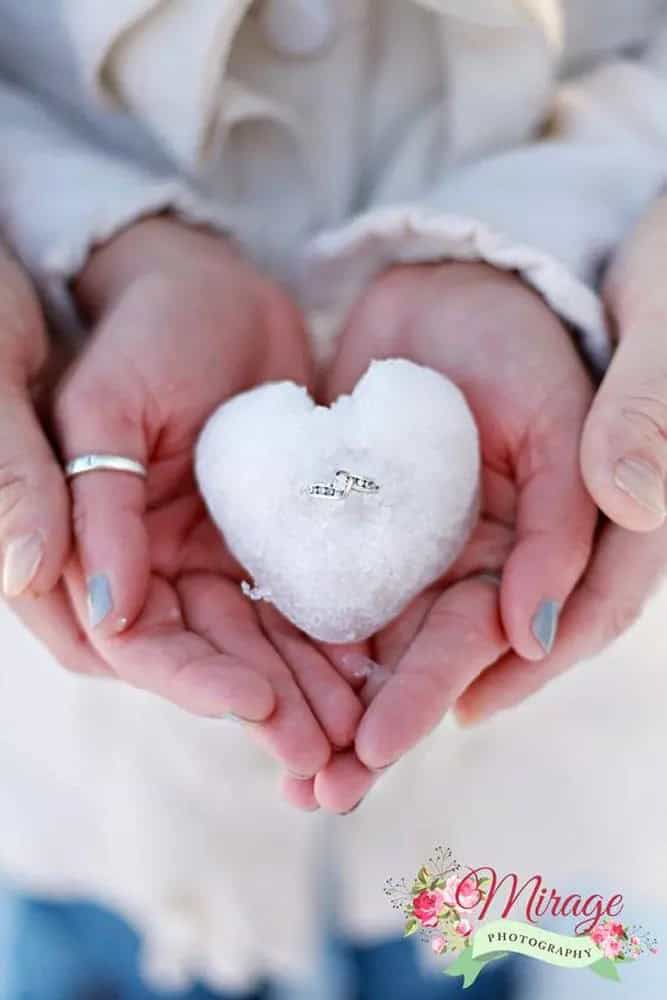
341,567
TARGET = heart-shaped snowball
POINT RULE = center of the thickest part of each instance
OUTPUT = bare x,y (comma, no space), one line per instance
341,568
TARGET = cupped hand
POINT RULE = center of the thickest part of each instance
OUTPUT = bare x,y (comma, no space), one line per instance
529,391
180,323
624,464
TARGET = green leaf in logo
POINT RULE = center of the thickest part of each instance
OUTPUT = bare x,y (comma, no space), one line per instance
605,968
465,966
469,967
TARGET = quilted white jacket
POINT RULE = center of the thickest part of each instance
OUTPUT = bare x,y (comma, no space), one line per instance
331,137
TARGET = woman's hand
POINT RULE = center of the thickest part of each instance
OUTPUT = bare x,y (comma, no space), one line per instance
34,505
624,464
530,394
180,323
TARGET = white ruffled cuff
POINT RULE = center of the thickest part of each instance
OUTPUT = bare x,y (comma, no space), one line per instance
341,263
56,253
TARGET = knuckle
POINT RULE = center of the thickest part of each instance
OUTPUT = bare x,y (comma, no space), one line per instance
38,486
646,412
14,485
79,399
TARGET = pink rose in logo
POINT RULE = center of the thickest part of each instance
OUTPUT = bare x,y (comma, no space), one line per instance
462,892
600,933
611,947
439,944
463,928
426,906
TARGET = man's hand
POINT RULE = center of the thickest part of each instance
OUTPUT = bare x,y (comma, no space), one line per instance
624,464
34,503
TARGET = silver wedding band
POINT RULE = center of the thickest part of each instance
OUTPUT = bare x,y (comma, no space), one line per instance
109,463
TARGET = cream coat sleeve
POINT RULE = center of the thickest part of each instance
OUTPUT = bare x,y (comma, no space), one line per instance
61,194
552,209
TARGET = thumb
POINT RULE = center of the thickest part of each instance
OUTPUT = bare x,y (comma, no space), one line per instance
34,507
624,445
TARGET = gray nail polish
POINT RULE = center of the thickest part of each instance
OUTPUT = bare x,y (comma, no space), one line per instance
545,624
100,601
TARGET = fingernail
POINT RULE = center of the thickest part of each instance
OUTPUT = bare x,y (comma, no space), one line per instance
545,624
364,667
643,482
383,767
469,719
348,812
100,602
465,718
23,557
231,717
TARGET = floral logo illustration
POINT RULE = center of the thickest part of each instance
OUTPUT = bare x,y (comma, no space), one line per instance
446,904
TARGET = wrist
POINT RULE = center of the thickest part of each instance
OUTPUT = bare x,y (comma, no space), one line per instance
157,246
465,290
633,289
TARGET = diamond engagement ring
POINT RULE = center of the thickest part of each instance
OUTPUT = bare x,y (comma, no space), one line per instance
343,484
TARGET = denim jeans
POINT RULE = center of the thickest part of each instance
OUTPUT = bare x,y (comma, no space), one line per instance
77,951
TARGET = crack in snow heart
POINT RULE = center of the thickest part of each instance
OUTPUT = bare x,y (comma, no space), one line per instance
341,571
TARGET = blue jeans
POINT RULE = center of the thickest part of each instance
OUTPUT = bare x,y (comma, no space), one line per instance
77,951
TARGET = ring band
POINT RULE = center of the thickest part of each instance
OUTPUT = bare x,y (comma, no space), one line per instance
111,463
343,484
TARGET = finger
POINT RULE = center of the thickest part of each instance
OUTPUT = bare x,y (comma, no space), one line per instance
343,784
604,605
352,660
391,644
107,506
216,609
299,793
330,697
51,620
624,445
160,654
555,524
34,505
461,636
